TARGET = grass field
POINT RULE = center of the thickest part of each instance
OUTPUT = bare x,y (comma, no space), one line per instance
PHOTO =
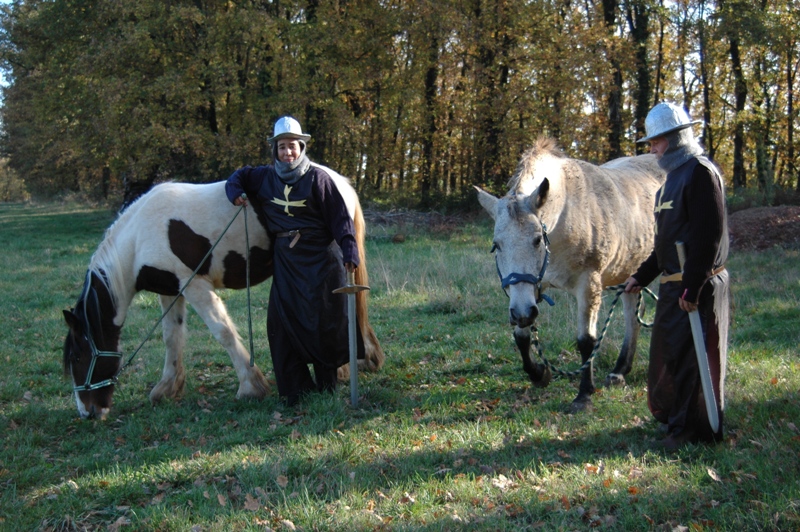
450,435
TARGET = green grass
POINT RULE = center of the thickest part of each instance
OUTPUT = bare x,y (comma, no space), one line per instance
449,435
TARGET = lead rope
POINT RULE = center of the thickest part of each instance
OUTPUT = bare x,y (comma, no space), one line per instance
247,275
620,288
180,293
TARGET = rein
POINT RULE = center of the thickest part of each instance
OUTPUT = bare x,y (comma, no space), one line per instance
535,280
620,288
96,353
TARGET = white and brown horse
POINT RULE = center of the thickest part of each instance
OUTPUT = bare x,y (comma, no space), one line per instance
571,225
156,245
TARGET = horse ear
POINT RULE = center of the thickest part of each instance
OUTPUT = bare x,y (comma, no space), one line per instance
541,194
72,320
487,201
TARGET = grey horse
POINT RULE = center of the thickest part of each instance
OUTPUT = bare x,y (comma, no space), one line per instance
579,227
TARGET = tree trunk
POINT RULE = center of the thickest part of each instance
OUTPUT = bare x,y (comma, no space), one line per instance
708,134
431,77
615,93
740,98
638,22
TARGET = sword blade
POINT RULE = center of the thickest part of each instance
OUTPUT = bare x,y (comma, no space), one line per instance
351,329
705,371
702,355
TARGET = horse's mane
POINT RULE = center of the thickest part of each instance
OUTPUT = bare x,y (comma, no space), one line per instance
105,261
542,147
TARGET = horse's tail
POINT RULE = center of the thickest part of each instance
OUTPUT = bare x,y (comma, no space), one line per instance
374,353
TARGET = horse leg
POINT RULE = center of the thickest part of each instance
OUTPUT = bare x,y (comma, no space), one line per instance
174,330
209,306
626,354
589,298
538,373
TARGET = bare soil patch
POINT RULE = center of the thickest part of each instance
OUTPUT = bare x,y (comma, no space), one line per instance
755,228
765,227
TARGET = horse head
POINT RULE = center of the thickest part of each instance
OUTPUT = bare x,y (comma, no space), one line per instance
91,354
521,250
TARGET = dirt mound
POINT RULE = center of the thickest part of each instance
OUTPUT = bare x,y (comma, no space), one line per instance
765,227
755,228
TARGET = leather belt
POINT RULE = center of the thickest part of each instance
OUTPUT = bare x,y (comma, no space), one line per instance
679,276
294,234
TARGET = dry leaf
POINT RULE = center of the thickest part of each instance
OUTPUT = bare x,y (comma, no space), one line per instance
221,499
713,474
502,483
120,522
251,503
285,523
296,435
282,481
407,499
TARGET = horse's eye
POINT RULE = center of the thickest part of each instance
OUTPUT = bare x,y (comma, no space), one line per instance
537,240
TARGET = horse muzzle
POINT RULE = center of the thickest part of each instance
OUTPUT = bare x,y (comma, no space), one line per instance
525,318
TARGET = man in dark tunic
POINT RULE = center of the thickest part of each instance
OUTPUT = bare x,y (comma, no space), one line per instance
313,235
690,208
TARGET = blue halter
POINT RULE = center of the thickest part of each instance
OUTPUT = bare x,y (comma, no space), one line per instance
535,280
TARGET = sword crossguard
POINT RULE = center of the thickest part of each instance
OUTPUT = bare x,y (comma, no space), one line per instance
351,287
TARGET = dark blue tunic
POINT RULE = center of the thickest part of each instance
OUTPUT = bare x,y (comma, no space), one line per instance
313,235
690,207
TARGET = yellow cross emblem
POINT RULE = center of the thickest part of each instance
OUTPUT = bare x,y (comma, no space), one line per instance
286,203
662,205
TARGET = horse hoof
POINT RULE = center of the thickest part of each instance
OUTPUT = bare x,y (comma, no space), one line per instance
615,379
581,405
547,376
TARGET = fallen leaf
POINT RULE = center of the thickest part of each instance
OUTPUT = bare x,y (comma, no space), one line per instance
502,482
407,499
288,524
120,522
251,503
296,435
282,481
221,499
714,475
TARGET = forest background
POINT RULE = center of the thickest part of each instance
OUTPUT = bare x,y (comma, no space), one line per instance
415,100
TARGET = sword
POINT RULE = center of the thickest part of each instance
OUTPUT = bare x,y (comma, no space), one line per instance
351,289
702,356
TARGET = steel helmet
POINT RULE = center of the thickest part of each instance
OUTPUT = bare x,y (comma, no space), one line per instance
665,118
288,127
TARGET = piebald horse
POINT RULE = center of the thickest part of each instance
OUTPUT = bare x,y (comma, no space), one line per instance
156,245
569,224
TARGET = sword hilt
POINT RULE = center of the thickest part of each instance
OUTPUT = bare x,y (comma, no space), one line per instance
681,247
351,287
